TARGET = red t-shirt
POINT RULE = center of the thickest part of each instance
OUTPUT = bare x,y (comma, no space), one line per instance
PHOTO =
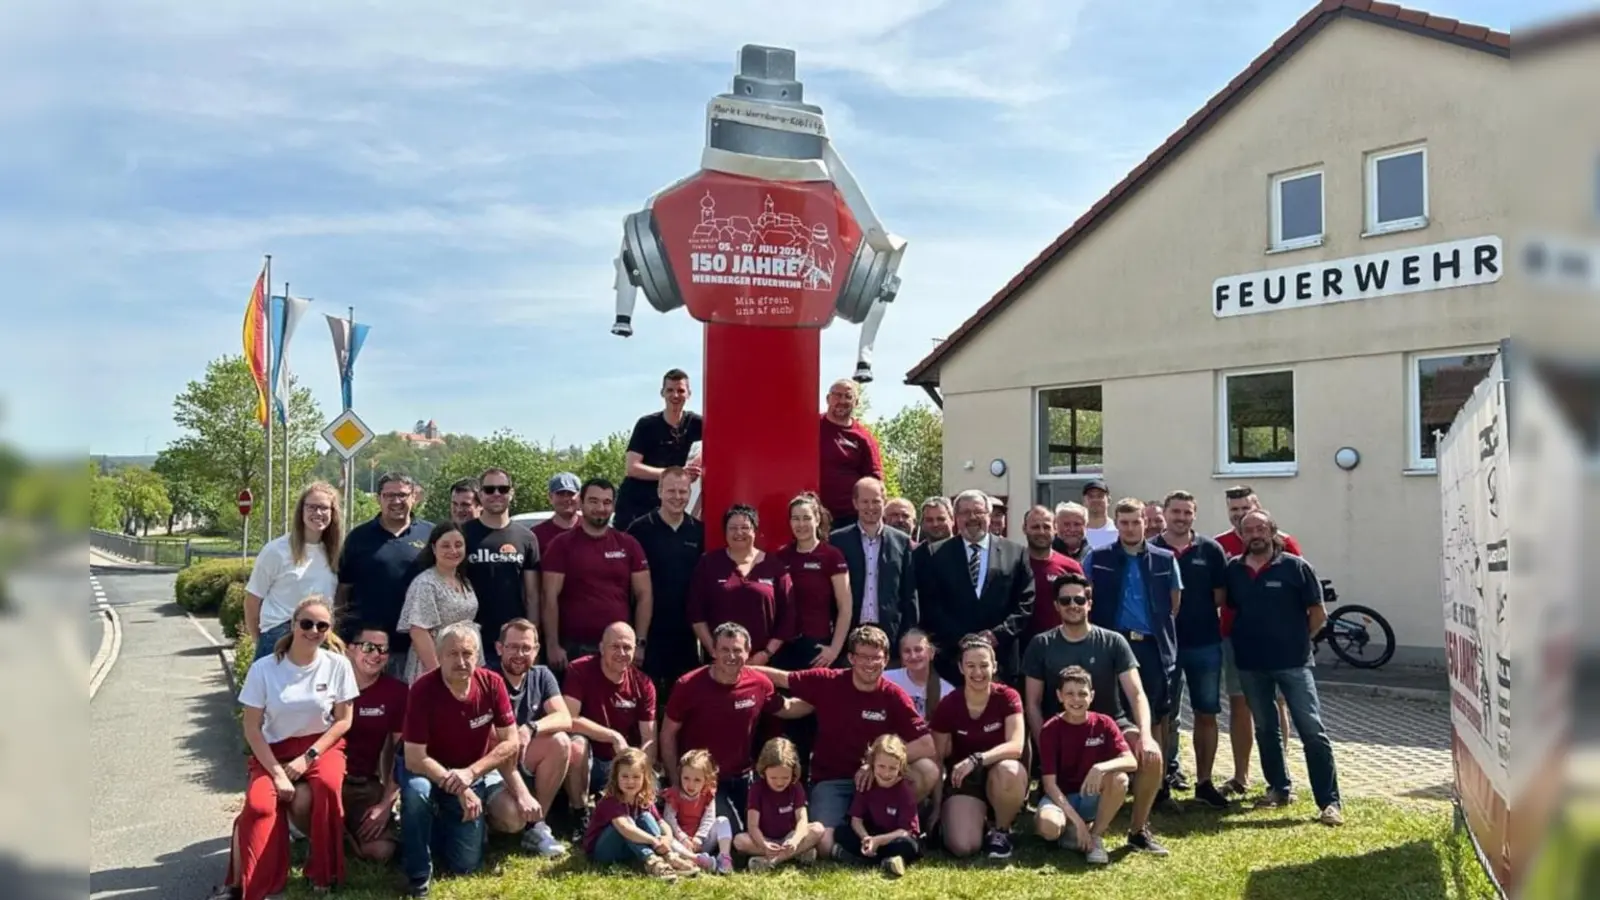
598,583
1233,545
849,454
885,809
606,810
1046,571
619,707
778,809
689,811
719,718
379,711
969,735
759,601
547,532
457,733
1069,751
811,587
849,720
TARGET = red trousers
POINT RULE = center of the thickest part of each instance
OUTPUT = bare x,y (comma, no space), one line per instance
261,832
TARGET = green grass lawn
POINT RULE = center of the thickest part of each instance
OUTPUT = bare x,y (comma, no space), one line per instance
1386,851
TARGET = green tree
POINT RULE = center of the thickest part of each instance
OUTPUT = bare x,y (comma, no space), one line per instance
913,439
223,447
142,497
188,498
530,468
606,458
104,511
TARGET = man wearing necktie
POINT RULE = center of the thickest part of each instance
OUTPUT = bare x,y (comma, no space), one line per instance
980,584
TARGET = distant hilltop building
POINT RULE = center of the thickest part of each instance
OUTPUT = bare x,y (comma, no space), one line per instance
425,434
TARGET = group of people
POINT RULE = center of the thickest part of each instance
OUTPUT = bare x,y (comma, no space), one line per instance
869,682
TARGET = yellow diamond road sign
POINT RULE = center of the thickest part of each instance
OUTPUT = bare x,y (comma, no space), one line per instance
347,434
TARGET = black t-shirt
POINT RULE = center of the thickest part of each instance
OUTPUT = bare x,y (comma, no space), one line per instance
496,559
538,687
660,445
1271,628
378,565
673,555
1203,565
1106,654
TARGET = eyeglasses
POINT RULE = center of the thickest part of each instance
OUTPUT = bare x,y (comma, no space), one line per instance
395,498
313,624
370,647
1074,600
495,488
318,508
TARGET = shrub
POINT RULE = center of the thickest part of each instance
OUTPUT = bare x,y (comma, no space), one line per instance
244,653
201,587
231,613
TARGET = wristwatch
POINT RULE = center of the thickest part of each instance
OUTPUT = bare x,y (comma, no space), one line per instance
311,756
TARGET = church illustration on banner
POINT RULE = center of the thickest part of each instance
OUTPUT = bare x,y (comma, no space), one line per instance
770,229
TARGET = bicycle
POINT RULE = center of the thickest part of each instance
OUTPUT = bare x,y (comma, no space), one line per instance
1350,630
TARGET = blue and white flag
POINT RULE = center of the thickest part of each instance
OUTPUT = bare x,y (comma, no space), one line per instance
285,314
348,336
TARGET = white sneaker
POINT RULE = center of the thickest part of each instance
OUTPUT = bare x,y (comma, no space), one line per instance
540,840
1097,852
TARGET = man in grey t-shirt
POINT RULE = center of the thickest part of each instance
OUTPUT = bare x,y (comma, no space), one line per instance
542,724
1118,692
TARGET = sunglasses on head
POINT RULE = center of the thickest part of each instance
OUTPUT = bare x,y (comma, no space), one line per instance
313,624
496,488
1074,600
370,647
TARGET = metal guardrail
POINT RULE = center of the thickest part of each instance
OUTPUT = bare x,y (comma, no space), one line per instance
158,553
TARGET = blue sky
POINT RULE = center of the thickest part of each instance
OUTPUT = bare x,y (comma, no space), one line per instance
459,173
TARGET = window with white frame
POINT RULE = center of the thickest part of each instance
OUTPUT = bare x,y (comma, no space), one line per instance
1071,442
1397,190
1256,412
1297,210
1439,384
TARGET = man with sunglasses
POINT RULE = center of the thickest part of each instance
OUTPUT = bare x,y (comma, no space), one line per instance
1108,658
372,745
503,559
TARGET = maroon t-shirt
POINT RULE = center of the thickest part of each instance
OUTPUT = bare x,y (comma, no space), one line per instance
1069,751
778,809
1233,545
379,711
885,809
849,454
457,733
849,720
606,811
598,581
547,532
721,718
1046,571
811,587
969,735
759,601
619,707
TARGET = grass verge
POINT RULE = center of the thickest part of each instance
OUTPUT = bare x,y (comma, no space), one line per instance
1386,851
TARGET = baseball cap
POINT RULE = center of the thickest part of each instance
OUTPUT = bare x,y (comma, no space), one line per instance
1094,485
564,482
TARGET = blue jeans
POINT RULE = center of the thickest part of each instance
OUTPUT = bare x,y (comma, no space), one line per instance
1300,695
612,847
269,639
829,802
1201,669
430,825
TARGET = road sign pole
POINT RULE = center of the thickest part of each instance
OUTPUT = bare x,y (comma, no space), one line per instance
244,542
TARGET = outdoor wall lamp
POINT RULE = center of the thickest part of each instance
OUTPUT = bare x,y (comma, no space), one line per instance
1347,458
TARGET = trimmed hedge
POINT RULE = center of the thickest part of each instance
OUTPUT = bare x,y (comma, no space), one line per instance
231,613
202,587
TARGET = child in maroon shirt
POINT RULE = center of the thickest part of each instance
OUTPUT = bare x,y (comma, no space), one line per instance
777,828
1085,764
625,827
883,818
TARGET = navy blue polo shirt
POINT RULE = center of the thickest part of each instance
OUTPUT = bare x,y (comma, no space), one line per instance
1271,630
1203,565
378,565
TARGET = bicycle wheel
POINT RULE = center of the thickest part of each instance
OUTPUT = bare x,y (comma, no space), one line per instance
1351,628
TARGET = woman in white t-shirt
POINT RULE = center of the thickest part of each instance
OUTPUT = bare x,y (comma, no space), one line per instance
916,676
297,708
294,566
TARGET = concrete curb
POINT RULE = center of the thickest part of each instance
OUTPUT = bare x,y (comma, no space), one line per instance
110,649
1390,692
228,656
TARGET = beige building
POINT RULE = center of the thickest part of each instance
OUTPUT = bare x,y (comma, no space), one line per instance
1311,264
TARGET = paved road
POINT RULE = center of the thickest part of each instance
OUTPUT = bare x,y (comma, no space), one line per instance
168,775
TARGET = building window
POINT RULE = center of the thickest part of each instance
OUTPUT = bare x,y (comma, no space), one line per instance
1256,424
1397,190
1297,210
1070,435
1439,385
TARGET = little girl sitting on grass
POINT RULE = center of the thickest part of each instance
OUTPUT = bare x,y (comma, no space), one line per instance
624,826
883,818
691,814
777,828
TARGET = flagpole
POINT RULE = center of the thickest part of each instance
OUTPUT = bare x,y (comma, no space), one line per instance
267,301
350,464
284,399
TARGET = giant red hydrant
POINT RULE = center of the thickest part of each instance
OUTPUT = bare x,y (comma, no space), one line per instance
766,244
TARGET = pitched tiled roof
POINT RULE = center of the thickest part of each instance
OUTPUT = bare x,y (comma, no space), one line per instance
1416,21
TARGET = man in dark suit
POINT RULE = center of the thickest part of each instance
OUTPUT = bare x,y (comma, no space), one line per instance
981,584
883,587
938,523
